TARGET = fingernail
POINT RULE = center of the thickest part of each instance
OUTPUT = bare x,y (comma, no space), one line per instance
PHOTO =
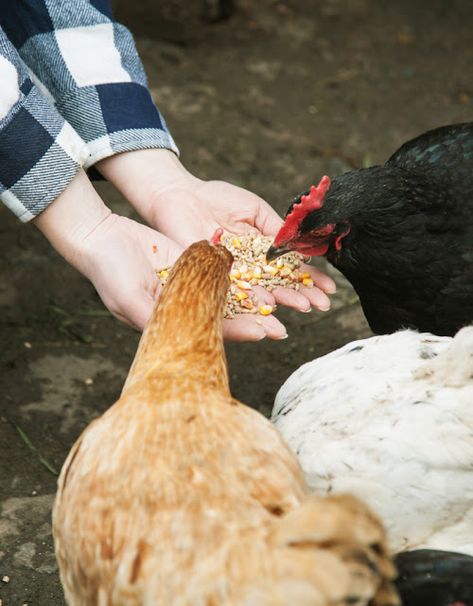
324,307
332,289
306,311
283,337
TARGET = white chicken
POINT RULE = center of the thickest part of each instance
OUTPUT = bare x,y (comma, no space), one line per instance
390,419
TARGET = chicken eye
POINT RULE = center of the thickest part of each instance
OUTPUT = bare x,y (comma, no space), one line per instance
323,232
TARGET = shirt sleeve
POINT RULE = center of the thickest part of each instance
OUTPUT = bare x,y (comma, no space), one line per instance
90,66
39,151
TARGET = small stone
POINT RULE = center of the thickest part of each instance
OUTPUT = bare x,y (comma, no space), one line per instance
27,344
89,381
6,579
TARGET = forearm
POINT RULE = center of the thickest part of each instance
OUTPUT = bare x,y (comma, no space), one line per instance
142,175
72,217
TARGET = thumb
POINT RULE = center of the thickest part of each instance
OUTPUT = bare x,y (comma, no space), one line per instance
268,221
136,312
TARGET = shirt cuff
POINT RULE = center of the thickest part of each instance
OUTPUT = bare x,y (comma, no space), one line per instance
114,118
94,74
40,153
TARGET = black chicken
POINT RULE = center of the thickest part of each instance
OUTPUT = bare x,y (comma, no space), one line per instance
401,233
428,577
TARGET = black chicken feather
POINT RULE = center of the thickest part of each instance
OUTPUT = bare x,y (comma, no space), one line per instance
429,577
408,248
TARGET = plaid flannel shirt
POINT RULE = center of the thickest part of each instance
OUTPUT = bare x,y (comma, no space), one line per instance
72,91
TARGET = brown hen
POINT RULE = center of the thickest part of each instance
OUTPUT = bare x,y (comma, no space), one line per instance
179,495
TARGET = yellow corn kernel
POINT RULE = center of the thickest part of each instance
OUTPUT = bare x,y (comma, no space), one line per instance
236,242
269,269
164,274
243,285
305,275
240,295
235,274
308,282
257,271
279,262
247,303
265,310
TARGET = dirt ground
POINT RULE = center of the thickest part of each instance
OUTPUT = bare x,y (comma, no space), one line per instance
271,99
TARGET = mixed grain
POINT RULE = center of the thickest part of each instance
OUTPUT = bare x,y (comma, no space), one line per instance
250,269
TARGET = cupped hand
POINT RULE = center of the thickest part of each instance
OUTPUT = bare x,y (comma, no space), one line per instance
120,257
191,213
188,209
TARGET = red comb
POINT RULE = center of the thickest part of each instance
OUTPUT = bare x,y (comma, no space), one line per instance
312,201
215,239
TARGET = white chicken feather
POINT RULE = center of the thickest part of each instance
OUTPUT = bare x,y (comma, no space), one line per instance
390,419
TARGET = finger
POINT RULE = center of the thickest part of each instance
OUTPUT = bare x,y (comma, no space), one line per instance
249,327
321,280
273,327
138,313
264,296
243,328
267,220
304,299
292,298
316,297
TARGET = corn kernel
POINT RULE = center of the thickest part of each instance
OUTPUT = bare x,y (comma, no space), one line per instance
243,269
269,269
265,310
235,273
236,242
164,274
308,282
257,271
305,275
243,285
279,262
240,295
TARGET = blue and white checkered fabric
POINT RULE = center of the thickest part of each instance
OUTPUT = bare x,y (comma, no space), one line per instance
73,91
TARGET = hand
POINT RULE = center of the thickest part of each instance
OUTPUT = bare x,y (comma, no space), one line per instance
188,209
118,255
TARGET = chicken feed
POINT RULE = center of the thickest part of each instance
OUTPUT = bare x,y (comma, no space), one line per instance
250,268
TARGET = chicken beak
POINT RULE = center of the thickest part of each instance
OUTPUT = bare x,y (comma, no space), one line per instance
274,252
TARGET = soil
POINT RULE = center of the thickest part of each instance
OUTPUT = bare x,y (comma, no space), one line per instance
270,99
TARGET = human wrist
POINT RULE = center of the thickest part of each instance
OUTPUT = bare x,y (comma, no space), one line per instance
142,175
75,213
